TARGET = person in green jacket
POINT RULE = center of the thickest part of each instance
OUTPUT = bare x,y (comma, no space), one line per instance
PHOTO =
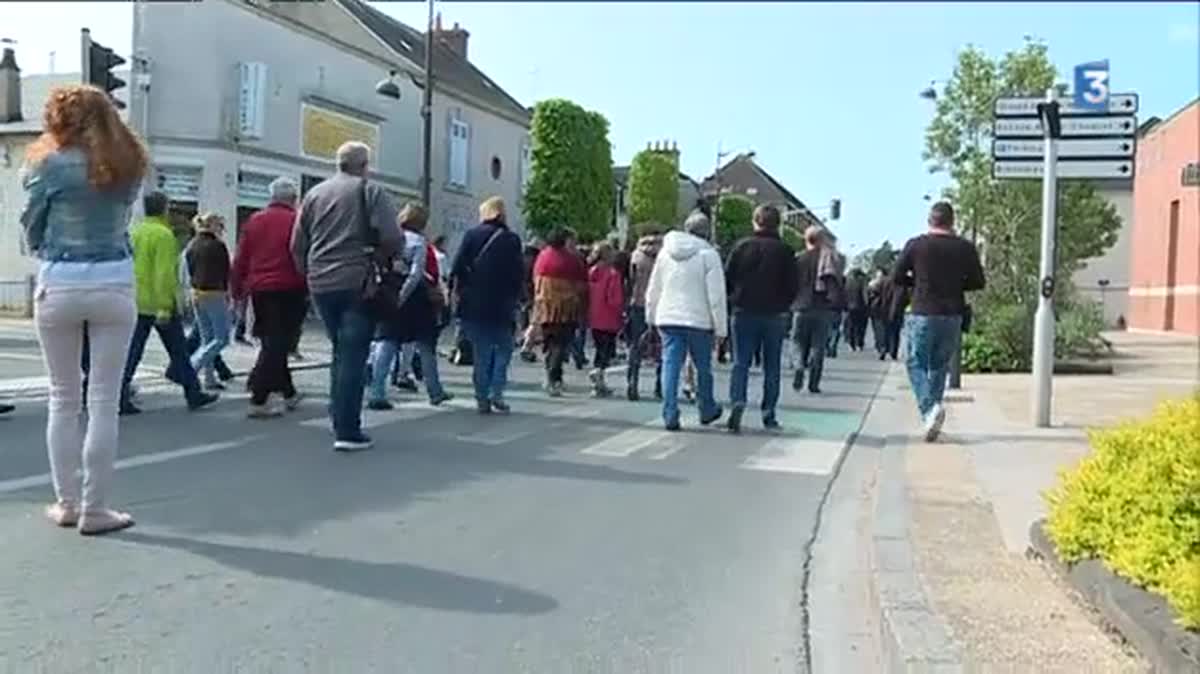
156,280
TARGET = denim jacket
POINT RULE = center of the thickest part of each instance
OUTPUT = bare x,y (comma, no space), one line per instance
65,219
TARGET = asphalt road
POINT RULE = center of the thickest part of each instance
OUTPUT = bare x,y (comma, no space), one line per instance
573,536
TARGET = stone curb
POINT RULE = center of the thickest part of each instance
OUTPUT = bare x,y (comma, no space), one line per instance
1144,619
913,637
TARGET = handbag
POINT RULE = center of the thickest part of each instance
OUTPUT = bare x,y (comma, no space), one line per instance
381,288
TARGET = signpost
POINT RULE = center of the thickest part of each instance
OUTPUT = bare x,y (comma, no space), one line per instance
1099,128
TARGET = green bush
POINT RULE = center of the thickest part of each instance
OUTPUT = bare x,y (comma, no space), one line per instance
1135,504
735,215
1001,339
653,188
570,179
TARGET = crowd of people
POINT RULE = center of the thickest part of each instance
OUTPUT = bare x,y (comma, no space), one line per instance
385,293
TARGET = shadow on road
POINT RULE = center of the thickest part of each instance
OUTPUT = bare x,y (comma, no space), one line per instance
397,583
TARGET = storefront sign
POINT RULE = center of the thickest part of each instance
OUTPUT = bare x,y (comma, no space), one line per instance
322,130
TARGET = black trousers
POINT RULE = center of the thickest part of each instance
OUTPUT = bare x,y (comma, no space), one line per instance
278,317
606,348
856,328
893,329
558,341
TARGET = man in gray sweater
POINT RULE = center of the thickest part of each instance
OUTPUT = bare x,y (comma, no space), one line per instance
331,248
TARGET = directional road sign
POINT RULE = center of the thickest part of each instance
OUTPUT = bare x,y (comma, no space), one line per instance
1067,149
1072,127
1118,104
1094,168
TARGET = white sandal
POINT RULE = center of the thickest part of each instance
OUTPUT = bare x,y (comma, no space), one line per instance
97,522
63,514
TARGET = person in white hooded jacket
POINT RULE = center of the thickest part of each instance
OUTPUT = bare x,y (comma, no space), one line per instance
685,301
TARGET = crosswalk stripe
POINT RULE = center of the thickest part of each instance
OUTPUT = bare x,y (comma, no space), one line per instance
809,456
626,442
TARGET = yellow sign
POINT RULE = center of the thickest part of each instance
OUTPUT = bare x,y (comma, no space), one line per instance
323,130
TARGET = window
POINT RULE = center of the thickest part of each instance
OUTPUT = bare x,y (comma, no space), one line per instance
525,161
496,168
460,135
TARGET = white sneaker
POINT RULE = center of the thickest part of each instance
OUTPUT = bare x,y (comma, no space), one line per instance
264,411
934,421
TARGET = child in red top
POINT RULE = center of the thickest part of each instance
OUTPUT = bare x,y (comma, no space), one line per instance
606,308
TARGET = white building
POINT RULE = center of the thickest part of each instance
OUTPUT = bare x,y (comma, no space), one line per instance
238,92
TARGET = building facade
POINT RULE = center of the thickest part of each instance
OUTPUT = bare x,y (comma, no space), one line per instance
1164,293
1105,279
743,176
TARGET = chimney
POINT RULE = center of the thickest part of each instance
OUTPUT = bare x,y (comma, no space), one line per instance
10,87
455,38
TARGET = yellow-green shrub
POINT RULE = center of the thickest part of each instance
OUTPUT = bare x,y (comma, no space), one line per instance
1135,504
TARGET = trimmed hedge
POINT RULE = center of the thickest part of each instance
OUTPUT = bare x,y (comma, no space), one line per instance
1135,504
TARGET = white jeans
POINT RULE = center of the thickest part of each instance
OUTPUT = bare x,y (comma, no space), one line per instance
60,314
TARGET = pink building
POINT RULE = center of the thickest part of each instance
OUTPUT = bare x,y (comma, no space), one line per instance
1164,289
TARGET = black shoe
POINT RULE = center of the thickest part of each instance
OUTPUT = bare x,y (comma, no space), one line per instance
734,423
226,375
380,405
771,424
632,395
798,380
356,443
437,401
406,385
483,406
883,356
202,401
704,421
129,410
501,407
673,426
5,408
814,390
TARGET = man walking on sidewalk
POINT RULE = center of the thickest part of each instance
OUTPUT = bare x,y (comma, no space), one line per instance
939,266
762,280
340,221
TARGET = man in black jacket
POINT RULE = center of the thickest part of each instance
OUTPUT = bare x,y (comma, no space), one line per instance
761,280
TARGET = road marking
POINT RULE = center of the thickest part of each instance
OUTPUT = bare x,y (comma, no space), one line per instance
626,442
138,461
673,445
493,437
8,355
808,456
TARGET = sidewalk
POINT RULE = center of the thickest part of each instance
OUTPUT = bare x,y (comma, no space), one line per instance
970,500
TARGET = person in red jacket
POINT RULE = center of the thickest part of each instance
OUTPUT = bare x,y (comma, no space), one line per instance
264,271
606,308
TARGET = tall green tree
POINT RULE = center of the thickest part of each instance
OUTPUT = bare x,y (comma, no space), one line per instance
734,220
653,189
882,257
571,178
1005,216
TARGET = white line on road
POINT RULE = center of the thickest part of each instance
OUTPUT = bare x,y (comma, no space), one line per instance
809,456
10,355
673,445
626,442
137,461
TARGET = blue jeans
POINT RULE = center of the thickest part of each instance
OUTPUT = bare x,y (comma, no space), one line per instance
677,344
171,334
350,329
752,333
931,342
212,321
492,345
385,354
812,337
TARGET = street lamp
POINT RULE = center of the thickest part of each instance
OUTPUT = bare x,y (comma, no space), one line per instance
930,92
388,87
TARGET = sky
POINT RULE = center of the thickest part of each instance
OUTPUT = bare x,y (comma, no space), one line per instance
826,94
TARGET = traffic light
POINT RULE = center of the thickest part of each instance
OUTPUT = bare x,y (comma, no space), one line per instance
98,62
835,209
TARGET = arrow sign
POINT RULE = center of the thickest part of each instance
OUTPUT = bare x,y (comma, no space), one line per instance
1033,149
1096,169
1118,104
1116,125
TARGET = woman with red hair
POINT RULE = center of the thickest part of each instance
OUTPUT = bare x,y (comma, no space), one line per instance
80,179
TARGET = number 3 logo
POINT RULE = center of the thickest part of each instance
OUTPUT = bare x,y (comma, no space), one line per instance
1097,89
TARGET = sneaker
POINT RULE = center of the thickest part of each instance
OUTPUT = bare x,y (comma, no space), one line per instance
296,356
129,410
406,384
632,395
771,424
380,405
673,426
437,401
556,389
798,380
5,408
264,411
293,403
734,423
355,444
704,421
501,407
204,400
483,406
934,421
226,375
